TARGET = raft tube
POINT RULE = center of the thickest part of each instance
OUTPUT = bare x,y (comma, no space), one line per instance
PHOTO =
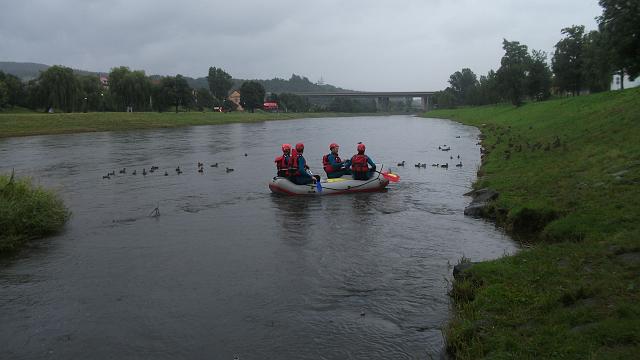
342,185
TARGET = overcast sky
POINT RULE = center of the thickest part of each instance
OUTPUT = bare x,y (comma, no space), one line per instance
400,45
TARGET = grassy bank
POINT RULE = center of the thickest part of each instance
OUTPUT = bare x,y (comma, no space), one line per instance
568,174
27,212
24,124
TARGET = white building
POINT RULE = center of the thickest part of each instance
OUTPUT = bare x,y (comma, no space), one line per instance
615,82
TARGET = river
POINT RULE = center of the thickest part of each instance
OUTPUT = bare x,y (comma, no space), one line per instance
229,270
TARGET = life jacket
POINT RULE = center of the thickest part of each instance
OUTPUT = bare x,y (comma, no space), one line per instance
327,165
359,163
283,164
295,168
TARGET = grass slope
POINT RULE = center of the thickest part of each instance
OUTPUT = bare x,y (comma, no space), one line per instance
23,124
27,212
568,173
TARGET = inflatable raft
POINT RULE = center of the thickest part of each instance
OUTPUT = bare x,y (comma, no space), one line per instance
342,185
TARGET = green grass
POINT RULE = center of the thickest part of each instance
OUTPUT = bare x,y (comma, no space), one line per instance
27,212
568,173
24,124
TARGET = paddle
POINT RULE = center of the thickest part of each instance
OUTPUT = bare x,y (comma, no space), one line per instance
390,176
318,185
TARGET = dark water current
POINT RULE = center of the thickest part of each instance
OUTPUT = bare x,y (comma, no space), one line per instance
230,270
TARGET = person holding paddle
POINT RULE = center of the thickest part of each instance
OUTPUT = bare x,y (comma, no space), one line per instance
333,165
301,174
360,164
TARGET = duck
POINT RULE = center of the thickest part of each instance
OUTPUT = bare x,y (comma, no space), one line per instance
445,165
144,172
134,172
423,165
200,164
123,171
451,157
152,170
229,170
417,165
459,164
458,137
166,173
201,170
178,169
245,154
401,163
436,165
458,156
106,176
112,173
214,165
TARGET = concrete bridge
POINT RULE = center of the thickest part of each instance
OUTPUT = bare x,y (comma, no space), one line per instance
381,97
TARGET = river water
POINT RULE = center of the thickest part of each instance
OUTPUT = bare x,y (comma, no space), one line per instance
229,270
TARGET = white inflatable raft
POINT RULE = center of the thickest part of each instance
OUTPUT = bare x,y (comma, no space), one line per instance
342,185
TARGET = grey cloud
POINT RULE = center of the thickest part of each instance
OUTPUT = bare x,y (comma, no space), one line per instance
367,45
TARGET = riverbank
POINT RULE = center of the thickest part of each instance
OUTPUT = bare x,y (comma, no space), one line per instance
25,124
27,212
568,175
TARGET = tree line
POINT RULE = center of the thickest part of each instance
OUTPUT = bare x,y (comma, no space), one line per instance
582,62
62,89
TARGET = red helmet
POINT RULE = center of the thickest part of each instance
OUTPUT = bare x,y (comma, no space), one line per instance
299,147
361,147
332,145
286,147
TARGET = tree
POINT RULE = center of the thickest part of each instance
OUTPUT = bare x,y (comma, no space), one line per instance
619,21
14,88
90,92
60,88
462,83
129,88
252,95
538,76
295,103
219,83
512,73
204,99
172,91
567,62
488,91
597,68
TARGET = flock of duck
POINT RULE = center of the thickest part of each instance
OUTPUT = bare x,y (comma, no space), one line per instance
153,169
444,166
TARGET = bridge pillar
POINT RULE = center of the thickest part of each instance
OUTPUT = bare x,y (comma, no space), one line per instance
382,103
425,103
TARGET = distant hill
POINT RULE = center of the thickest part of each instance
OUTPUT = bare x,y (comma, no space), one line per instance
23,70
27,71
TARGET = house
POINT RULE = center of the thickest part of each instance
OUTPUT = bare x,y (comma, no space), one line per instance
234,97
104,80
615,82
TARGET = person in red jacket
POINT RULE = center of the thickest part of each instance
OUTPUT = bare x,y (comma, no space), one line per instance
362,167
300,173
284,162
333,165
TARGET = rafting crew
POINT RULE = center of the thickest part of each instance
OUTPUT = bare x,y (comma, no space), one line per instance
362,167
284,163
301,175
333,165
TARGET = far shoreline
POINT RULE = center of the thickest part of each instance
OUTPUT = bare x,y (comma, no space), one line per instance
32,124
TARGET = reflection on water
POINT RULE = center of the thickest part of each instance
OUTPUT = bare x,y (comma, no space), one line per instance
229,268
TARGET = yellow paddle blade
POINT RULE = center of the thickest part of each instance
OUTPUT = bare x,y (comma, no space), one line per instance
336,180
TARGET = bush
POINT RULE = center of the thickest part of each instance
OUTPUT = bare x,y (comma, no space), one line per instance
27,212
